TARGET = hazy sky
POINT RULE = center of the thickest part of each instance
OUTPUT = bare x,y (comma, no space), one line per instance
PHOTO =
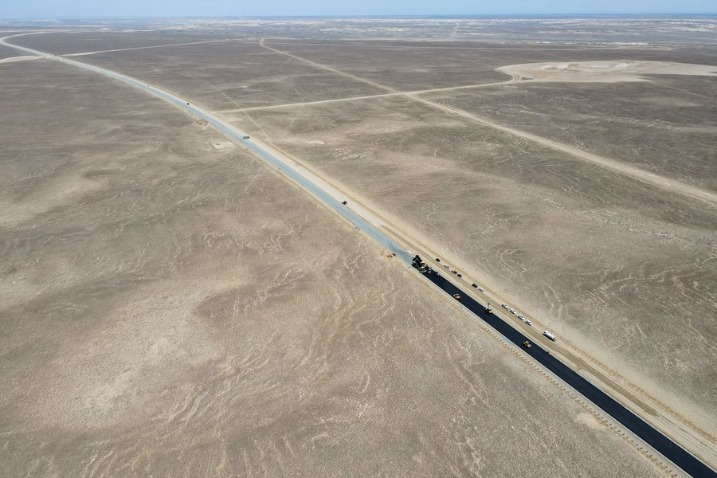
214,8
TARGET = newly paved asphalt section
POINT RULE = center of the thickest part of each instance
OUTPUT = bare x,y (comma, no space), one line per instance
654,438
680,457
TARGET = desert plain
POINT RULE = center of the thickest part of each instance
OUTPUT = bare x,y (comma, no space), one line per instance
173,306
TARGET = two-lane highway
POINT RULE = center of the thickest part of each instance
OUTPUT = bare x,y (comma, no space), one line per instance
235,134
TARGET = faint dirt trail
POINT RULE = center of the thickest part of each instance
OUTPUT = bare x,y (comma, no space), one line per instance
368,97
668,184
15,59
662,182
330,69
86,53
309,103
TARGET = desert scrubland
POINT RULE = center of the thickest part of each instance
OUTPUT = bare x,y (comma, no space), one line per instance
173,306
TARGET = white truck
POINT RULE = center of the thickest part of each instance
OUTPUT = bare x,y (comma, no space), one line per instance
550,335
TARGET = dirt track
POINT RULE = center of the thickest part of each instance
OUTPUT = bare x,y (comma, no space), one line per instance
667,184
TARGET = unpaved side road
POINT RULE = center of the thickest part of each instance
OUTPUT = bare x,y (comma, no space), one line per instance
667,184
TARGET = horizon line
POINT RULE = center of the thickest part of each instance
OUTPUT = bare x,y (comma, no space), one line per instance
364,16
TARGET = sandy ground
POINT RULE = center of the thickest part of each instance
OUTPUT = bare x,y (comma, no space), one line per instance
172,307
230,75
421,65
616,267
665,125
15,59
76,42
6,52
604,71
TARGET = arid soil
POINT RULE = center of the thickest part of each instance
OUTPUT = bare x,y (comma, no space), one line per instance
231,75
620,268
61,43
172,307
6,52
666,125
422,65
604,71
616,266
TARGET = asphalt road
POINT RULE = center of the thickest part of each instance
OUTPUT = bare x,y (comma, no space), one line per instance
635,424
242,138
669,449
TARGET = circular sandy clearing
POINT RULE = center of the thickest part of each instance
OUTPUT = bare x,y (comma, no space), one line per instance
602,71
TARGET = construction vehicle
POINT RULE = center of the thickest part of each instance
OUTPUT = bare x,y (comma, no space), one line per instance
419,264
527,344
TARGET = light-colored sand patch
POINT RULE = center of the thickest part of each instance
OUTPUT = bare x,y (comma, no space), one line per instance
315,141
603,71
589,420
220,144
14,59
